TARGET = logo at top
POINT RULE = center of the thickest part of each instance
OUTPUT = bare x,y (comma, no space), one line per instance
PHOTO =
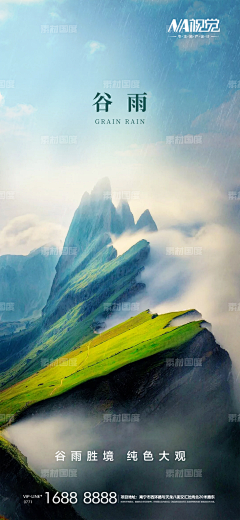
194,26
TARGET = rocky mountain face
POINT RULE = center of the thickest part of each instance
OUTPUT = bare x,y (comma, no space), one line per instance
115,276
126,216
156,386
146,222
25,282
96,218
176,405
89,238
18,483
90,279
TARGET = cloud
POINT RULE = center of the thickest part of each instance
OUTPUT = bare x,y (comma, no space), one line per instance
93,46
196,44
56,15
12,118
207,282
219,128
4,15
185,91
192,209
27,232
147,150
196,10
223,119
19,111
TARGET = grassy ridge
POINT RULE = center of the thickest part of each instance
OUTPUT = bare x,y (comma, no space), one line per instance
14,468
102,281
9,448
135,339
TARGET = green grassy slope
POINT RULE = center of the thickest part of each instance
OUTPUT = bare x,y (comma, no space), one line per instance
13,452
76,306
135,339
14,469
90,281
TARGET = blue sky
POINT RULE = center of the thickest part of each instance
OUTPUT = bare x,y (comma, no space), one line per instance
56,77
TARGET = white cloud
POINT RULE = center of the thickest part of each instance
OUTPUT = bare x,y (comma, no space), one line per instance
27,232
210,282
196,44
223,119
196,10
4,15
207,282
185,91
19,111
12,118
147,150
94,46
57,15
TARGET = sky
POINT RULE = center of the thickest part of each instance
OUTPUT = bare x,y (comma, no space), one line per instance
51,80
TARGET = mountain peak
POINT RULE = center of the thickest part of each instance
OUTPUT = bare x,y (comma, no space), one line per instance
126,215
95,216
146,221
85,198
102,190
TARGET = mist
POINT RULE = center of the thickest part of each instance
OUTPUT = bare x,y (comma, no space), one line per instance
40,437
207,282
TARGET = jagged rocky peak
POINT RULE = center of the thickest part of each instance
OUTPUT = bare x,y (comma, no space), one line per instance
96,216
102,190
26,280
85,199
146,222
126,215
